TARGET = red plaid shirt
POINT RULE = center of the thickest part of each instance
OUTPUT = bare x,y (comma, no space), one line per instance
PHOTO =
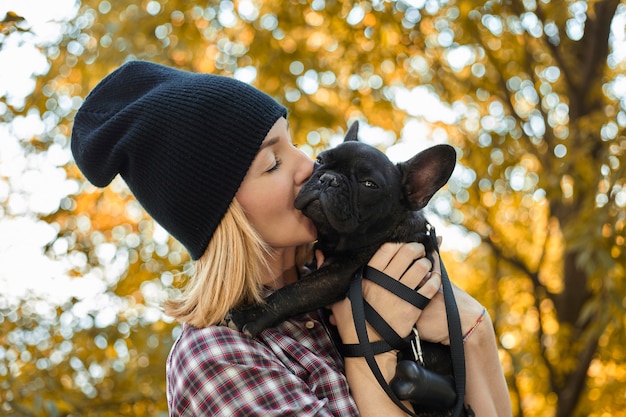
292,369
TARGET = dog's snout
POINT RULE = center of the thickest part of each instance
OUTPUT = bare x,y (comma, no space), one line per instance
329,179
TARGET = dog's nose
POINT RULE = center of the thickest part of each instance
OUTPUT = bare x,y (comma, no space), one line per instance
329,179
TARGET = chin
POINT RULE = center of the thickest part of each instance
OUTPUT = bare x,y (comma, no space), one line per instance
312,231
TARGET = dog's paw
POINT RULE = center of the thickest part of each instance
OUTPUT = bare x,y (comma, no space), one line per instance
246,320
237,318
419,385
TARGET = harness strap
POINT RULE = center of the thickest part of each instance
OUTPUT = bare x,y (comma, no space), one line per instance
362,311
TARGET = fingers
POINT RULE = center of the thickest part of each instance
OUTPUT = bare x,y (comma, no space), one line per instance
383,255
417,274
436,264
402,261
395,258
431,285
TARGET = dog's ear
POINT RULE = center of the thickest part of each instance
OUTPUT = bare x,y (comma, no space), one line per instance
353,133
425,173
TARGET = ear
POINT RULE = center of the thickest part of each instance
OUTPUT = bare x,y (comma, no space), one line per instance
353,133
425,173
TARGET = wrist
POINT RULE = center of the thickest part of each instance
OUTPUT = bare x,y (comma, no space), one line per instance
386,362
348,335
370,397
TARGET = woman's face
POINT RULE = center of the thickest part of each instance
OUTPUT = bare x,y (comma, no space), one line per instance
270,187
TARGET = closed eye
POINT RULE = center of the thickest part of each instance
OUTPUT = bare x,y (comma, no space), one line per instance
277,163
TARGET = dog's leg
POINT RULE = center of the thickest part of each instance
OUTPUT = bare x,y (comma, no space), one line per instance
318,289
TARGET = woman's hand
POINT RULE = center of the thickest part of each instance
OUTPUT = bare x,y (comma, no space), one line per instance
486,392
433,323
408,264
405,262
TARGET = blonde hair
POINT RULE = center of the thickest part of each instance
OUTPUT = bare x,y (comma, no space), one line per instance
229,273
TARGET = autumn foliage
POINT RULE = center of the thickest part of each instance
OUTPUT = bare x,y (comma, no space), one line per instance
533,97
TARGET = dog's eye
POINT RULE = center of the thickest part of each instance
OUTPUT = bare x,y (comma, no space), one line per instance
370,184
318,161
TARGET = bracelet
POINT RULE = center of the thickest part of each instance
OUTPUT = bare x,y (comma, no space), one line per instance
478,321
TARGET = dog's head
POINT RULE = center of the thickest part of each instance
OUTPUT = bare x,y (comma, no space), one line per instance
357,196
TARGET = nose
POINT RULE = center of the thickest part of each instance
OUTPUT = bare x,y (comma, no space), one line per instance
329,179
305,167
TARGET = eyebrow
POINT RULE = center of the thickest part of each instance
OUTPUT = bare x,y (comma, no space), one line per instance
268,143
272,141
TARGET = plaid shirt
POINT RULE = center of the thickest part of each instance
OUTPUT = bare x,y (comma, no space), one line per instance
292,369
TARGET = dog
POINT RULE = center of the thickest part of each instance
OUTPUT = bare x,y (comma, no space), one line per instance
357,199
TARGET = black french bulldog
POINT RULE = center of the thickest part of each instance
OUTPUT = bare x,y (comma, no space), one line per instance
357,199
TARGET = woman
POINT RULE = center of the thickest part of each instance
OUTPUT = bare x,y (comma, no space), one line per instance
211,159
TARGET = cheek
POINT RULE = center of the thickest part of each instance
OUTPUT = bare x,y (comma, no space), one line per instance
264,205
275,205
249,201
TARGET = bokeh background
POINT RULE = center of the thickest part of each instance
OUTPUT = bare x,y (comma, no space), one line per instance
531,93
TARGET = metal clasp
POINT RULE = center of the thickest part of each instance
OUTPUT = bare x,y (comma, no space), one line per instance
416,346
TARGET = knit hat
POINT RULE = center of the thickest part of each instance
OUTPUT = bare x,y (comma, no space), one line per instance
182,141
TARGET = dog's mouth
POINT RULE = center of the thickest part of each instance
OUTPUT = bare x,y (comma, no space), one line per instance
311,206
304,198
325,213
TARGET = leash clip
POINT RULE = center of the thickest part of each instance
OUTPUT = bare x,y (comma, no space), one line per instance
416,347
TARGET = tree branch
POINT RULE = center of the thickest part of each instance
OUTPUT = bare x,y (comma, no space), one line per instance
570,394
541,294
592,59
556,53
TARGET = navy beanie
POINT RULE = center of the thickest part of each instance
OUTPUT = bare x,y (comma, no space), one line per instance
182,141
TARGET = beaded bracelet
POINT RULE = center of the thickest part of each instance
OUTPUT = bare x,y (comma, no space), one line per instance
478,321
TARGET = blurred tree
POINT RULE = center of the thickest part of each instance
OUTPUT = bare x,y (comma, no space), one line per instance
534,102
